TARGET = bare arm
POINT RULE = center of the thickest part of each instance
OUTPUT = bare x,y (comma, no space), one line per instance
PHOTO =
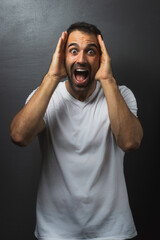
29,121
125,126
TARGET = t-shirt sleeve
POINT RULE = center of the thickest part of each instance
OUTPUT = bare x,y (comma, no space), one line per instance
129,98
29,97
31,94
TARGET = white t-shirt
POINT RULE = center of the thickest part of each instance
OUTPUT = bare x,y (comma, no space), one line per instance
82,191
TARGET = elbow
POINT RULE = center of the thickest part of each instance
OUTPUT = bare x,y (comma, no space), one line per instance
18,139
132,143
131,146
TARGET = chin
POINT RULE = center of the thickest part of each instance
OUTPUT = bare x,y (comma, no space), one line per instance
77,87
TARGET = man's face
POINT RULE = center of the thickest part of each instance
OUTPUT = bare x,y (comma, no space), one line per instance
82,60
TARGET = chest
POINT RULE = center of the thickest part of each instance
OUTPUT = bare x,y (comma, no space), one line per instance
79,127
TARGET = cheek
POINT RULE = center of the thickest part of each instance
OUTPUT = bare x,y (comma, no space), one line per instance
69,61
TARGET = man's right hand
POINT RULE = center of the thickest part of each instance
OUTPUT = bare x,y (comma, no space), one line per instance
29,121
57,69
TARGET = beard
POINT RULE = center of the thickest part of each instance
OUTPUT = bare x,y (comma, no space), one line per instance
80,81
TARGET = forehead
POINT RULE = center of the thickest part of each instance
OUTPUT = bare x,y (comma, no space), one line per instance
82,38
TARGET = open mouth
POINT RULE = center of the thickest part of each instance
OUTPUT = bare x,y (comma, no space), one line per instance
81,76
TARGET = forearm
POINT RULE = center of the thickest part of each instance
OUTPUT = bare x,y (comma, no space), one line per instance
29,121
125,126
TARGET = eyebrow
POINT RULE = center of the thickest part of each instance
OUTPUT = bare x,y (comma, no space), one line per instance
72,44
89,45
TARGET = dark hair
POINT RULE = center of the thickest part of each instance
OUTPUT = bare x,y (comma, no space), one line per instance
84,27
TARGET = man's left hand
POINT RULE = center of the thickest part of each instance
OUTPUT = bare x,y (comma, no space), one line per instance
105,70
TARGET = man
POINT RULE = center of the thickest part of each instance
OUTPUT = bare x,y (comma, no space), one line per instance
85,124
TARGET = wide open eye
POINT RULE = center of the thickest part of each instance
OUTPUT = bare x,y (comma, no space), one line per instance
91,52
73,51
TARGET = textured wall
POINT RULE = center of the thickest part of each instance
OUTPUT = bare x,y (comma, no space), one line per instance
29,31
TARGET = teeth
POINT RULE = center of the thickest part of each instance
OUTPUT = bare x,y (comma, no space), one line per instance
81,70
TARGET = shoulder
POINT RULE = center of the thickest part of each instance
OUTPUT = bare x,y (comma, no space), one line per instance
60,89
126,92
129,98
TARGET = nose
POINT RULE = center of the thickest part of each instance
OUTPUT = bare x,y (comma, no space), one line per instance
81,58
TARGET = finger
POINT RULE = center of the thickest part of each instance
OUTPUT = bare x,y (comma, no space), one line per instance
63,41
64,36
103,46
59,44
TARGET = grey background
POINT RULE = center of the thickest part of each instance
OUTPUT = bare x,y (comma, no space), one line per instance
29,31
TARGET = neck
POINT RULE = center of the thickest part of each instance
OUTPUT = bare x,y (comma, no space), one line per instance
80,95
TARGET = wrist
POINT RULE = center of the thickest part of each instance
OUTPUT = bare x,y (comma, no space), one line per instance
52,78
50,82
109,80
